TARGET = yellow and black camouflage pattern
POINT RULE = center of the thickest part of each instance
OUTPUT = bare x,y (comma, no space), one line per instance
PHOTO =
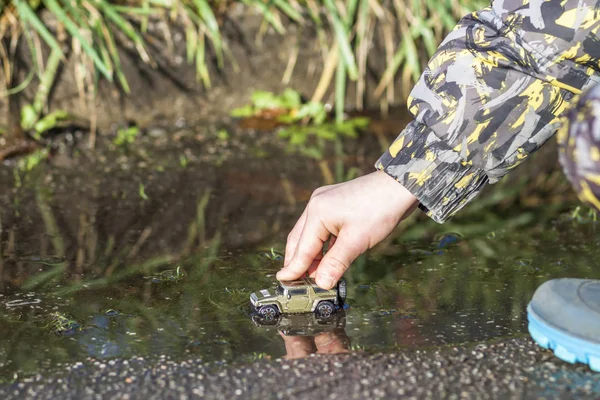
579,146
493,93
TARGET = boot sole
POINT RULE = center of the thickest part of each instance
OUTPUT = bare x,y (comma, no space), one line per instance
565,346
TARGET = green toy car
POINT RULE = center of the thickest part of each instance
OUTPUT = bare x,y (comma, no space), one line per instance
300,296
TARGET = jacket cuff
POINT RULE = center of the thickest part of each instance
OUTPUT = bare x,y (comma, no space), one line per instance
432,171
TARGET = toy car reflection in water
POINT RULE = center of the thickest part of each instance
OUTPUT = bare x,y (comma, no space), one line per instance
306,324
306,333
300,296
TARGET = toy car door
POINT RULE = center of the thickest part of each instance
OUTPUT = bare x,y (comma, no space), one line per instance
298,300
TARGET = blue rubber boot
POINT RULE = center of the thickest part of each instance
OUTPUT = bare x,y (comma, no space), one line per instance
564,316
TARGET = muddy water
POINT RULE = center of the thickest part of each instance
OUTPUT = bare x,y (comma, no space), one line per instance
120,256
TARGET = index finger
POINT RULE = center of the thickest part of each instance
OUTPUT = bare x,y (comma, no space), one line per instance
310,246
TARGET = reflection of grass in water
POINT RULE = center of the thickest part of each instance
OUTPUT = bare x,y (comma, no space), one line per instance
273,255
582,215
128,272
484,276
61,324
169,275
225,299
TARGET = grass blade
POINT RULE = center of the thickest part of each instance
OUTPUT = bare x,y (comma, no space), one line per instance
340,92
191,43
112,48
427,35
210,20
442,12
390,71
32,19
412,60
267,15
126,28
342,38
63,18
288,10
352,5
201,69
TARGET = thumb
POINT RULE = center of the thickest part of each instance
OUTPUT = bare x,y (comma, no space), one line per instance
337,260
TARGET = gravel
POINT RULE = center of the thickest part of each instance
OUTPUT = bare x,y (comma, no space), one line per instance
510,368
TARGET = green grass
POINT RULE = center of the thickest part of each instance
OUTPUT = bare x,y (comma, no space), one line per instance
92,31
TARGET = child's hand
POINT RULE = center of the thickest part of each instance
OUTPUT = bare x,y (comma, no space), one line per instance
359,214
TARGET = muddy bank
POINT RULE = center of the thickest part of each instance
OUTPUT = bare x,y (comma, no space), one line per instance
171,92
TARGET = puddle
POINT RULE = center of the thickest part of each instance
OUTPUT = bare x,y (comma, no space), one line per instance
91,268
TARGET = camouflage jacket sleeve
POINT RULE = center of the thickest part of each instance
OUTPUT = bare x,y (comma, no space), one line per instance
492,94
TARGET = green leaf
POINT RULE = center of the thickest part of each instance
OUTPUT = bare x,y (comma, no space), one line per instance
142,192
241,112
298,137
326,132
126,136
28,117
291,98
284,133
50,121
31,161
360,122
265,100
222,134
63,18
287,119
313,110
312,152
347,129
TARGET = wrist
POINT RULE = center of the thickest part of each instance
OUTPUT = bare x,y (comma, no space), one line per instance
403,201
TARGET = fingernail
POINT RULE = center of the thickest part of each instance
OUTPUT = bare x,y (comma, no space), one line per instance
282,274
326,282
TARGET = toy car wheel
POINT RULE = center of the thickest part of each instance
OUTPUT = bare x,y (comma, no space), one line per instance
325,309
341,289
268,312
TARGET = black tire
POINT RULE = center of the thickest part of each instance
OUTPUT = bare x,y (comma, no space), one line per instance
325,309
268,312
341,289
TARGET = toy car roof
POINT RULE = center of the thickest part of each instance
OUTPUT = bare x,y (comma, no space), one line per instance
299,282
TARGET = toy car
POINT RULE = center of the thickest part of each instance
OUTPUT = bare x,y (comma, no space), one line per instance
299,296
